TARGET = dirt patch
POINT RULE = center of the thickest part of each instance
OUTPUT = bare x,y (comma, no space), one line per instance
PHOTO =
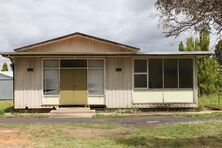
89,133
12,138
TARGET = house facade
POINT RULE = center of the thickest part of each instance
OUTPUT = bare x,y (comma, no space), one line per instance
80,69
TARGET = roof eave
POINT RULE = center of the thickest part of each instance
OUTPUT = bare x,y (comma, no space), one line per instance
193,54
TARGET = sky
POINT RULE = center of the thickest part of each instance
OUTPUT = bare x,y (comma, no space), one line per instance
133,22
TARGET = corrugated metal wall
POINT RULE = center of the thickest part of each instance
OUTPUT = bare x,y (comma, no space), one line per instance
6,87
118,84
28,85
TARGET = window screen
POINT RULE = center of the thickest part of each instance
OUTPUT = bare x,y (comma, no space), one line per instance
51,77
96,64
140,66
51,82
95,82
51,64
140,73
140,81
96,77
170,73
155,73
185,73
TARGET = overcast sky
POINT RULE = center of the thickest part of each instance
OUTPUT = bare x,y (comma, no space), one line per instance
133,22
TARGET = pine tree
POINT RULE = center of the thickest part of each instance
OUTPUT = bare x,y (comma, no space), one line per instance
197,46
181,46
204,40
4,67
190,44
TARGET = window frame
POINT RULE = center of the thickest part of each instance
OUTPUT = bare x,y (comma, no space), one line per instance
43,76
96,68
141,73
163,65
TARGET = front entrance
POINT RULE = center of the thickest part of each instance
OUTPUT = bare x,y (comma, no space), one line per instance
73,87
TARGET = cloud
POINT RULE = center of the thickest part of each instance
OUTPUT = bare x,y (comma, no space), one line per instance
25,22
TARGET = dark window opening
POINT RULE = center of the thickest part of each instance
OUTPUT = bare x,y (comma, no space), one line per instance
185,73
155,73
140,81
170,73
73,63
140,66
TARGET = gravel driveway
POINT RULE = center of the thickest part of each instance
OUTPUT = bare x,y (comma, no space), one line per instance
127,121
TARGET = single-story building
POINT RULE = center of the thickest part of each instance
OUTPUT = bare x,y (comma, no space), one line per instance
6,85
80,69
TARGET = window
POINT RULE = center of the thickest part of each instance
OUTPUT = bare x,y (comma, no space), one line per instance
51,77
140,66
96,77
155,73
140,73
170,73
185,73
73,63
51,64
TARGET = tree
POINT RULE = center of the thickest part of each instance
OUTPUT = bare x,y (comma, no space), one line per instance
4,67
177,16
218,52
190,44
204,39
201,44
181,46
209,76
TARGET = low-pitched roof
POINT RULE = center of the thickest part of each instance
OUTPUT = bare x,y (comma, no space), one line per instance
73,35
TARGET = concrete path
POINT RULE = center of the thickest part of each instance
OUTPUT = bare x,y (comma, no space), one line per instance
123,121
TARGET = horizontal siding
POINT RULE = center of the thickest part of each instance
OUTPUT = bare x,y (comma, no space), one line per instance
118,85
28,85
79,44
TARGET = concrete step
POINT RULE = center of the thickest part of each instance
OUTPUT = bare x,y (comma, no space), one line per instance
73,108
72,116
75,112
72,111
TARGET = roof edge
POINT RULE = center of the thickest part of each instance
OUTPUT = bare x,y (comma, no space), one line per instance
195,54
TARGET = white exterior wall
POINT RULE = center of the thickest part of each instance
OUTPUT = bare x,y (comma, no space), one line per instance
118,84
28,85
119,92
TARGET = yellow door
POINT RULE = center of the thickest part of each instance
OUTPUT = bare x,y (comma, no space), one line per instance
73,87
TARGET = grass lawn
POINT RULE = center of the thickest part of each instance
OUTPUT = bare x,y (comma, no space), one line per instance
211,101
109,135
7,111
